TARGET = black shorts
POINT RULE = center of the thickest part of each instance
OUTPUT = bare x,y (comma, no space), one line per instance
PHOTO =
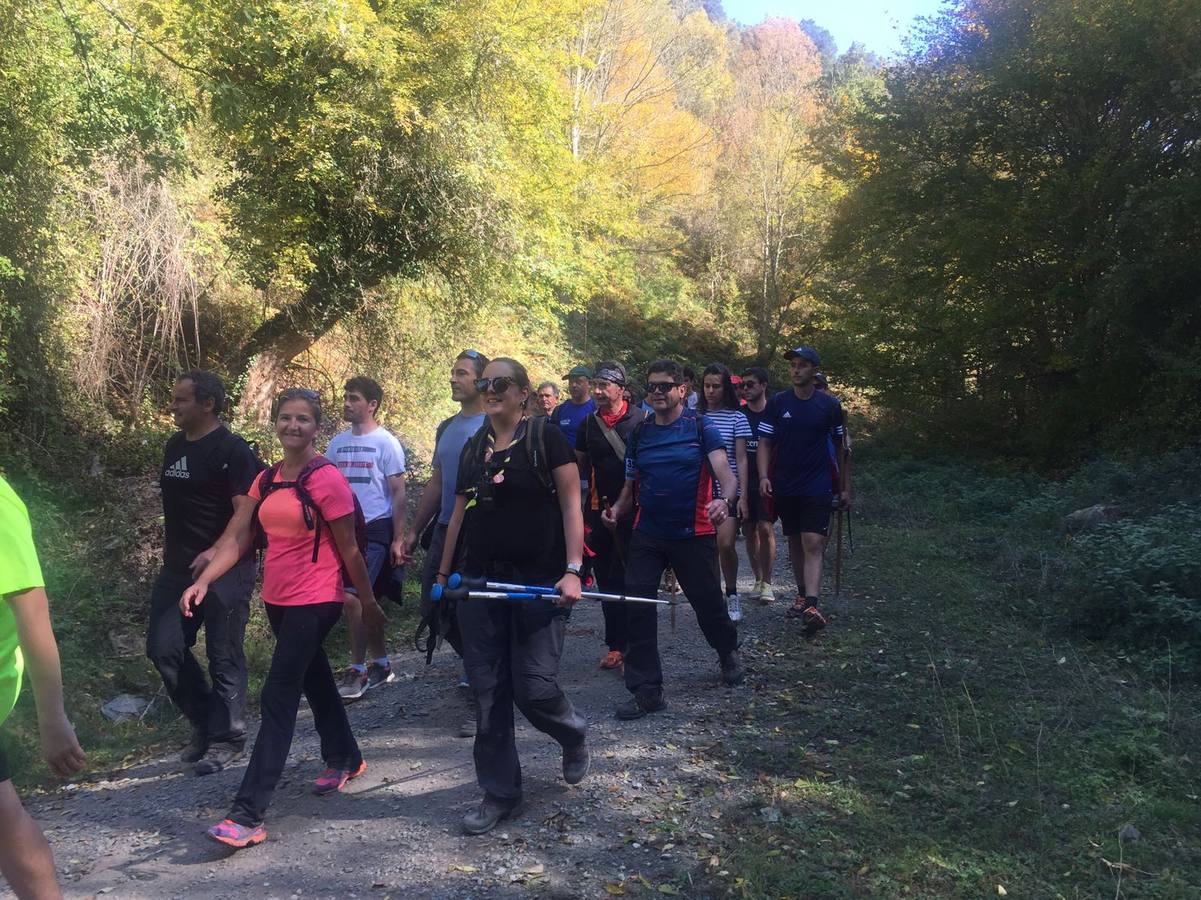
5,771
759,508
805,515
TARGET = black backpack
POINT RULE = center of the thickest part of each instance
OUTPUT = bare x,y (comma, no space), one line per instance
312,515
535,449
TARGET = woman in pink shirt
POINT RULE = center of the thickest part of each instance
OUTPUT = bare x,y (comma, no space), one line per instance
306,509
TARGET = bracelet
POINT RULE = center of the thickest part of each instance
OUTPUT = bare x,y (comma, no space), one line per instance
443,575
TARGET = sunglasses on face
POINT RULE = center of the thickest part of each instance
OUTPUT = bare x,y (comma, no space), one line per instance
497,385
661,387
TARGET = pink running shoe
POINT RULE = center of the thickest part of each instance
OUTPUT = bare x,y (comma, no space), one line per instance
231,834
333,780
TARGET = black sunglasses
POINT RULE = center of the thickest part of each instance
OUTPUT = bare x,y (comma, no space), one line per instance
497,385
661,387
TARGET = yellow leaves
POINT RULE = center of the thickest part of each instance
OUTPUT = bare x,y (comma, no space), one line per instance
460,867
615,890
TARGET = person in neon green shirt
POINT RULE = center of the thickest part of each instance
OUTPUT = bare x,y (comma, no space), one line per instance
26,637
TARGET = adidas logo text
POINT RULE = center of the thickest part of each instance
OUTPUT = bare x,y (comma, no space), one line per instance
178,469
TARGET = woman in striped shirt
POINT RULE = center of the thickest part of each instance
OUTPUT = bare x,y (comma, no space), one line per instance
719,405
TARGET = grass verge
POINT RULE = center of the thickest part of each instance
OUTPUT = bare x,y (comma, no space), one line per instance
946,737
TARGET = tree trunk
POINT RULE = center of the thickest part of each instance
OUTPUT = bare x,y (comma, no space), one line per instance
286,335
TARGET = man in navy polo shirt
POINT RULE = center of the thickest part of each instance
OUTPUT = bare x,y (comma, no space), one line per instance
569,414
794,437
671,461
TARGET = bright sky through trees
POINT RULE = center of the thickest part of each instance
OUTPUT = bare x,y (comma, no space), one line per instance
880,24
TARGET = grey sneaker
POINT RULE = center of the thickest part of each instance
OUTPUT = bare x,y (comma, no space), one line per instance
641,704
197,745
352,685
467,729
732,672
378,675
488,815
576,764
218,757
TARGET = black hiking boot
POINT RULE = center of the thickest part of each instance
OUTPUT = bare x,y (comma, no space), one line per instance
576,764
488,815
732,672
640,704
196,747
218,757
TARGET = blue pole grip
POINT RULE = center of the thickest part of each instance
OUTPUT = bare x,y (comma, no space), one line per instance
436,592
454,580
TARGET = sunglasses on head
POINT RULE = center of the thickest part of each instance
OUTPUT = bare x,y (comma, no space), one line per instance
661,387
303,393
497,385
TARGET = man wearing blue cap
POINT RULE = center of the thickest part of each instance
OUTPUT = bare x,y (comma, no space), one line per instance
795,471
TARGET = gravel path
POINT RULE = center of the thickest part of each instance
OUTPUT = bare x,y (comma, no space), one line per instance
648,816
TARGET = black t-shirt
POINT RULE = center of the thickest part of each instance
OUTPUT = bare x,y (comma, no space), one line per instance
752,446
199,481
608,469
522,526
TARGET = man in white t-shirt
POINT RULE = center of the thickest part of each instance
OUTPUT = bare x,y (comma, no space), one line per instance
373,462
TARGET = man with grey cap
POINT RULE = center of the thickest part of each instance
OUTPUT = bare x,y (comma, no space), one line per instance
600,450
794,469
578,406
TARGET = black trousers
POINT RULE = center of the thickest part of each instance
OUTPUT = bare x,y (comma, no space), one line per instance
512,650
694,560
298,664
218,710
609,567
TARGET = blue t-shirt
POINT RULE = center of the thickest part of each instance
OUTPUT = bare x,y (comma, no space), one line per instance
446,458
569,416
672,477
799,431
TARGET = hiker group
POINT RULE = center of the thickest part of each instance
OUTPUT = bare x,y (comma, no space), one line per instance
618,491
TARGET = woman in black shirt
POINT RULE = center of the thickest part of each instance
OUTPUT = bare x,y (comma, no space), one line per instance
518,512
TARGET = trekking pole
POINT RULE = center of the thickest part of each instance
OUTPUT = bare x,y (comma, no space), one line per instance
838,559
850,534
500,590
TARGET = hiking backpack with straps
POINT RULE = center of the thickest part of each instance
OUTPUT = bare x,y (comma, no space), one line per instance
312,515
535,449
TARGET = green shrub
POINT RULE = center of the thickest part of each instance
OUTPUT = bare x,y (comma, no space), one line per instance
1139,580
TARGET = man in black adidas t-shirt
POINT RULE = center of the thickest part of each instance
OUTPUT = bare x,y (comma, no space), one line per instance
207,473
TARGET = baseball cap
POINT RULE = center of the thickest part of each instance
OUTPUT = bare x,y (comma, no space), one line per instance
805,353
611,370
577,371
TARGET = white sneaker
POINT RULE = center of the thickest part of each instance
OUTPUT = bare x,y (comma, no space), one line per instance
756,591
766,594
734,607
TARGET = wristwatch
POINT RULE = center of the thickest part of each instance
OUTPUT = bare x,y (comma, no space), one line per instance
575,569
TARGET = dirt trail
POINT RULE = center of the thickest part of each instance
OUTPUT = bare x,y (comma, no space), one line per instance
651,808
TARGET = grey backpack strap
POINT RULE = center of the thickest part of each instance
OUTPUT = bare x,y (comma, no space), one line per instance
611,435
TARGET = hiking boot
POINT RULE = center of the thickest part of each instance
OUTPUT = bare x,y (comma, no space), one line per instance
333,780
576,764
613,660
353,684
732,672
231,834
641,704
467,729
813,621
378,675
488,815
196,747
218,757
766,595
734,607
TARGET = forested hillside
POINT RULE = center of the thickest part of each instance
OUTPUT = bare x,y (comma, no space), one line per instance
994,236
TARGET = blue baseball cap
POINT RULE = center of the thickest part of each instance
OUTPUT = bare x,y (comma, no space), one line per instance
805,353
